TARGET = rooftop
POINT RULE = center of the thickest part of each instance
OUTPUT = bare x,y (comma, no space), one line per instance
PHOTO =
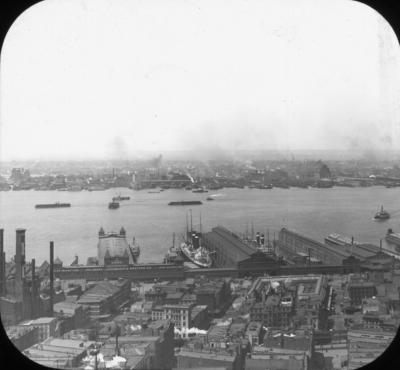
14,332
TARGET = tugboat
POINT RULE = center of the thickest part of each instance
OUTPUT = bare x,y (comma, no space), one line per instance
113,205
173,255
382,215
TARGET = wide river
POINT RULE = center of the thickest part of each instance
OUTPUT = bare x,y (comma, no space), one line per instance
312,212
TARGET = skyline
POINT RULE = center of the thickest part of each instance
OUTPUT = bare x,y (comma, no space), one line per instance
113,80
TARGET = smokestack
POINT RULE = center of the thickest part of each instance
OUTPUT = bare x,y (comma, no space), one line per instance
33,290
51,277
19,262
2,264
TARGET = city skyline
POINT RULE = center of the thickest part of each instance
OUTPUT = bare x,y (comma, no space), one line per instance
111,81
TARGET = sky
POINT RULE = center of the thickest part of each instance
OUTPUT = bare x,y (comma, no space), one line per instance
94,79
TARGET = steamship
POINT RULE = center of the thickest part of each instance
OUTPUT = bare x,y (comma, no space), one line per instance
393,238
194,252
191,248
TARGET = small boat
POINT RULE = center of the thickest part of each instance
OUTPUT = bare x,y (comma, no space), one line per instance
153,192
382,214
113,205
210,198
53,205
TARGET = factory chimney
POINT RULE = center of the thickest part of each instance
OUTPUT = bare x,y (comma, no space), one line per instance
51,277
19,263
33,291
2,265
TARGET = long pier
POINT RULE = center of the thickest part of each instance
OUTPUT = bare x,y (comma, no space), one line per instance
150,272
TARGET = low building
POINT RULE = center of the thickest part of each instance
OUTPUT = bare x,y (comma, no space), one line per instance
23,336
47,327
157,352
106,297
72,314
179,314
359,290
199,317
364,346
336,351
59,353
215,294
276,358
192,358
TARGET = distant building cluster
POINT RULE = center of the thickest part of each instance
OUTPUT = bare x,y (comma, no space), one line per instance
190,174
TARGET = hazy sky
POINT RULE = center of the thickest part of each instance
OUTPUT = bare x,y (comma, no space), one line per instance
101,78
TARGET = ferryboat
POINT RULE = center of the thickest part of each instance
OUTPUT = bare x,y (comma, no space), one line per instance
119,198
393,238
53,205
113,205
382,214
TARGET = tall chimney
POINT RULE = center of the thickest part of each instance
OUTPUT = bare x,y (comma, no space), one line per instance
33,290
19,262
2,264
51,277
